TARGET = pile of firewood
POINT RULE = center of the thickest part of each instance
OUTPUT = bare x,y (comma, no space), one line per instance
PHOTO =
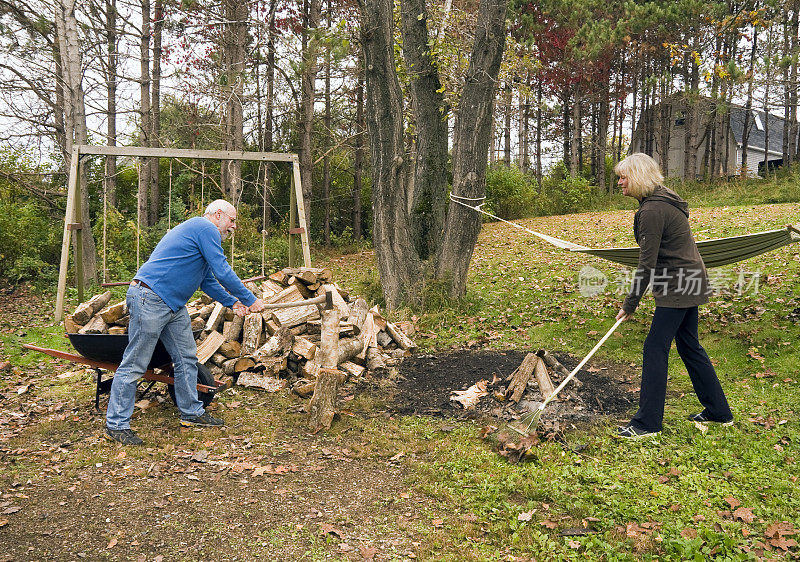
269,348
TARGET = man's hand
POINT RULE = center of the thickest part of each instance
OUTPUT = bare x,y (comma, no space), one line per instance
622,314
239,309
257,306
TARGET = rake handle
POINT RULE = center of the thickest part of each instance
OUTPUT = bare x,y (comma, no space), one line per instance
574,372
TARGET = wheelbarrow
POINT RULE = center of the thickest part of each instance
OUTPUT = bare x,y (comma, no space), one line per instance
104,352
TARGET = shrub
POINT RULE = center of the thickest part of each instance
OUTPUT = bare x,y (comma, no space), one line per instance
31,243
510,192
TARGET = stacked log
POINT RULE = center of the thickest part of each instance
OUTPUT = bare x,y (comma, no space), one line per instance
280,343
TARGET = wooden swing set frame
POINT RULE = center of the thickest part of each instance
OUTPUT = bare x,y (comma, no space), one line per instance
73,217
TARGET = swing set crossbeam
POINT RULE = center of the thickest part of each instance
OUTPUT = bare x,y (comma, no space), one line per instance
73,218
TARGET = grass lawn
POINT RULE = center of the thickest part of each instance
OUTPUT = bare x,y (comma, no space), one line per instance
691,493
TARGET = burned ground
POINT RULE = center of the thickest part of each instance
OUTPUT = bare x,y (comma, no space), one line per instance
425,383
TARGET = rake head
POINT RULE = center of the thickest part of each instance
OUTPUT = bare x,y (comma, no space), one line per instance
527,423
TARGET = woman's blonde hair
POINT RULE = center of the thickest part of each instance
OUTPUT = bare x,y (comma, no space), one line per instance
642,172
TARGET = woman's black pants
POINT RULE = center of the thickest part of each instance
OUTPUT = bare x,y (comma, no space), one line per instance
679,324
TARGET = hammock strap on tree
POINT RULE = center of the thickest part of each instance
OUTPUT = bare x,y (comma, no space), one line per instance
715,253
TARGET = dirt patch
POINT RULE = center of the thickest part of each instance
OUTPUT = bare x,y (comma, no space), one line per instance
425,384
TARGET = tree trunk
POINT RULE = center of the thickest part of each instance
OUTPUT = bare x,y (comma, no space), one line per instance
326,162
602,134
748,108
539,136
358,157
575,163
508,101
471,144
398,263
110,179
308,79
429,197
155,111
69,47
234,45
144,115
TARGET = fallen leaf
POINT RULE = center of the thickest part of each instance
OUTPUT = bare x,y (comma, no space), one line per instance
199,456
23,389
3,522
701,426
689,533
733,502
12,509
438,523
112,543
782,543
526,515
779,529
745,514
328,529
367,552
549,524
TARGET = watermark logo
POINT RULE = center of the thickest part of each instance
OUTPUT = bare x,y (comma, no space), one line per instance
591,281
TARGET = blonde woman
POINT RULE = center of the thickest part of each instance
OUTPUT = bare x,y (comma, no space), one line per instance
670,264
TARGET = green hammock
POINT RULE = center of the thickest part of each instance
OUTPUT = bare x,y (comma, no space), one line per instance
715,253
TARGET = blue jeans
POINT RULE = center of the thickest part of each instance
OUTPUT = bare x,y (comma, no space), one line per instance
152,320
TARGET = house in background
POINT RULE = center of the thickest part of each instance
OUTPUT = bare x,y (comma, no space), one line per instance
716,135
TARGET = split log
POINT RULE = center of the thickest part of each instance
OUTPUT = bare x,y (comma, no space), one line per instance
352,368
358,314
375,359
307,276
398,336
70,326
117,330
215,317
233,329
228,367
231,349
322,274
279,277
552,362
198,324
315,327
270,288
271,326
244,363
124,321
310,369
251,332
289,294
289,317
543,379
218,359
523,374
323,403
94,326
205,299
253,288
368,336
302,288
265,381
88,309
206,311
304,347
338,302
278,344
209,346
384,339
271,365
228,315
377,317
112,313
349,348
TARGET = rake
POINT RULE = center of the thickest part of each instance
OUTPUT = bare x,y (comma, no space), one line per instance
532,419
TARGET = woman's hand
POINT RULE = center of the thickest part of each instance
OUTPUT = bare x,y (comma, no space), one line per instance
623,315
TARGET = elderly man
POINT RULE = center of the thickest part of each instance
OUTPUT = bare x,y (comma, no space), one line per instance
187,257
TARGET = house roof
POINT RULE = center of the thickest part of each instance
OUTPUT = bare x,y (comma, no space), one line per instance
758,135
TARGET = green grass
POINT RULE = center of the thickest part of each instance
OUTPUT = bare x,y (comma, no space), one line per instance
667,498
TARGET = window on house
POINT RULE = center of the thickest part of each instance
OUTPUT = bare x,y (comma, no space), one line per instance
757,121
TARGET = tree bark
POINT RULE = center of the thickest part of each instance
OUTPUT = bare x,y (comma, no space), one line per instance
110,179
398,264
428,199
155,111
358,157
471,144
313,9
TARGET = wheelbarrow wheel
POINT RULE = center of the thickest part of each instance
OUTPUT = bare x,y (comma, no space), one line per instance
205,377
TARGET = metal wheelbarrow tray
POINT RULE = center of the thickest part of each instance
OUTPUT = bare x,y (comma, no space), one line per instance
104,351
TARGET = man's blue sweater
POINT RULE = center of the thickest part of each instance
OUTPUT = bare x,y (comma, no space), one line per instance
191,256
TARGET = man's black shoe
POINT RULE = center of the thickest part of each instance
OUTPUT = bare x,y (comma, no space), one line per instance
124,436
206,420
631,432
703,417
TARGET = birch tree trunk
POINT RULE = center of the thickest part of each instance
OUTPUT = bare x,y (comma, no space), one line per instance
69,48
145,114
110,179
307,94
